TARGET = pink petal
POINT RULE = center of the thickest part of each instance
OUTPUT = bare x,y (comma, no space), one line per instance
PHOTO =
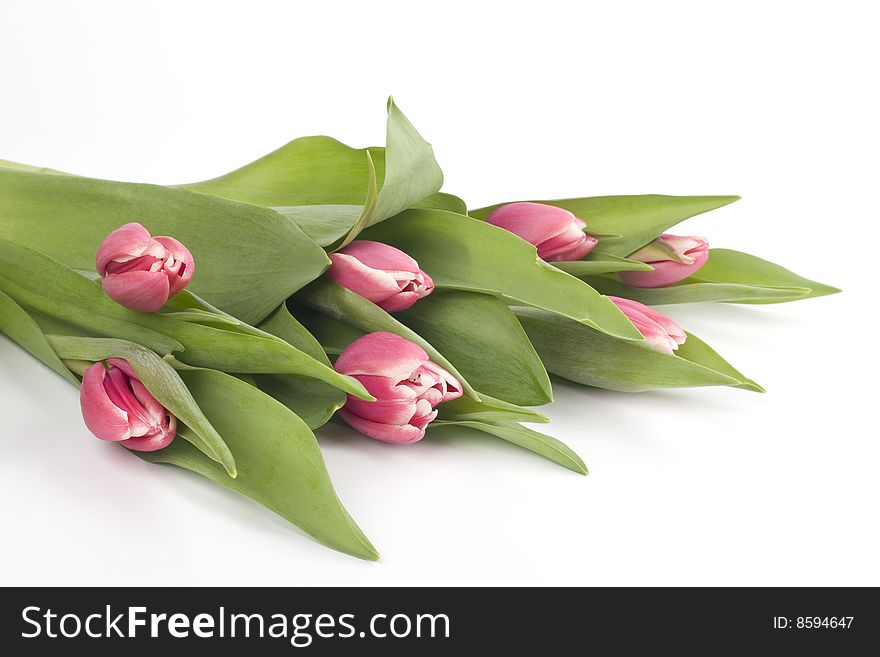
124,243
118,389
373,284
534,222
400,434
184,266
399,301
395,404
674,331
451,387
642,318
102,417
669,272
567,248
143,291
665,273
424,414
380,256
381,354
156,441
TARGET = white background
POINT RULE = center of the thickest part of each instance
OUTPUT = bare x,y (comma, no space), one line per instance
772,100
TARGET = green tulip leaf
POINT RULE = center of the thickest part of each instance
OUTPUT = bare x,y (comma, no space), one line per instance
481,336
285,326
580,354
326,224
305,171
443,201
730,276
279,461
353,188
334,335
543,445
248,259
163,382
23,330
346,306
313,401
488,409
598,262
636,219
463,253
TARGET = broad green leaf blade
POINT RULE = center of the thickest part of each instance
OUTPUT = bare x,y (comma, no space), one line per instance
279,462
580,354
730,276
285,326
488,409
546,446
306,171
463,253
599,262
443,201
40,283
480,335
23,330
346,306
8,164
637,219
697,351
161,379
321,171
313,401
248,259
326,224
333,334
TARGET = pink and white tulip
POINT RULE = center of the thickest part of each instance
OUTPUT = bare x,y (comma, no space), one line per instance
558,235
658,330
142,272
386,276
407,386
117,407
673,257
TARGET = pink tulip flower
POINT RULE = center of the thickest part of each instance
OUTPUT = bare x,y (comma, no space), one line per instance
142,272
406,384
386,276
659,331
556,232
673,257
117,407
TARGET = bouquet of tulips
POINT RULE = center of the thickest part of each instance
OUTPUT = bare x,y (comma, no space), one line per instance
216,325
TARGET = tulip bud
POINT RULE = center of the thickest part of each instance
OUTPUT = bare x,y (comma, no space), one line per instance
386,276
406,384
659,331
141,272
673,257
556,232
117,407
